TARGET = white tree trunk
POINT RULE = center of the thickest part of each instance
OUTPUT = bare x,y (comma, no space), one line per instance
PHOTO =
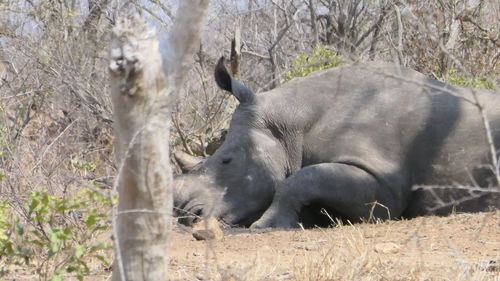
144,86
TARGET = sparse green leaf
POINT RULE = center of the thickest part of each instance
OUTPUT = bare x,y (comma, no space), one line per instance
321,58
91,220
56,277
79,251
55,243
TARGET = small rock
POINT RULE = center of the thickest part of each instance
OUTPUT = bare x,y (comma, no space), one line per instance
207,229
387,248
297,246
306,247
204,235
312,247
489,265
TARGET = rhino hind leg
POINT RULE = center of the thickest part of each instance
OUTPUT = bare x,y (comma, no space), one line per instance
344,189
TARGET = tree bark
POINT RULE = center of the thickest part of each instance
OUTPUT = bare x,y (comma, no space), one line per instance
144,87
399,47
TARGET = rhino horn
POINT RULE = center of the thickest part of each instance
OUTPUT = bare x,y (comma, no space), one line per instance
228,83
186,161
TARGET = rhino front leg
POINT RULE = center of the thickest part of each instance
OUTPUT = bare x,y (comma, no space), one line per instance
344,188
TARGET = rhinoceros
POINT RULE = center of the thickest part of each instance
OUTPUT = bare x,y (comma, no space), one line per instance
353,142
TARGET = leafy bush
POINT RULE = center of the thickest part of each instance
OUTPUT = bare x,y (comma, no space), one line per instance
478,82
82,165
57,236
321,58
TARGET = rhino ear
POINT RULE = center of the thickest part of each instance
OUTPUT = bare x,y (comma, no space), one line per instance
228,83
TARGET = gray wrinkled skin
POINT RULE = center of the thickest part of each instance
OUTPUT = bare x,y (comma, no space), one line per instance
338,141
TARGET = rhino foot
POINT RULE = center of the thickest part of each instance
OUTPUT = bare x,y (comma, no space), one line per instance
276,219
273,224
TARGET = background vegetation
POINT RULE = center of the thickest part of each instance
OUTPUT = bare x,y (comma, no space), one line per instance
56,162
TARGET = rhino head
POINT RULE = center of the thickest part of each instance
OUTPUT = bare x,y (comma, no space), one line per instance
237,183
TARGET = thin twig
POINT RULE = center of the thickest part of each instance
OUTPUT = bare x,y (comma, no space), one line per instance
51,144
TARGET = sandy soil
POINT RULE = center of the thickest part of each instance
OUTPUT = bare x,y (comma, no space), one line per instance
459,247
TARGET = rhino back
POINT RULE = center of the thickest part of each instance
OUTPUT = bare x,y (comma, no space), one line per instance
402,127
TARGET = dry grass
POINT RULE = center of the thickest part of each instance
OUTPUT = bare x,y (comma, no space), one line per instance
460,247
463,247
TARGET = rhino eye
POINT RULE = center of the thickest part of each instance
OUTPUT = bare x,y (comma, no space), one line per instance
226,160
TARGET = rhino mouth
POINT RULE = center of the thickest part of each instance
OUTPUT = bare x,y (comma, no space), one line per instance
194,213
189,213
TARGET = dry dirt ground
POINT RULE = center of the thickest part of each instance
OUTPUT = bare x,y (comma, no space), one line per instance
459,247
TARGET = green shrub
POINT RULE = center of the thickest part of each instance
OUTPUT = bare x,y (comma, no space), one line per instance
5,228
478,82
321,58
82,165
57,236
